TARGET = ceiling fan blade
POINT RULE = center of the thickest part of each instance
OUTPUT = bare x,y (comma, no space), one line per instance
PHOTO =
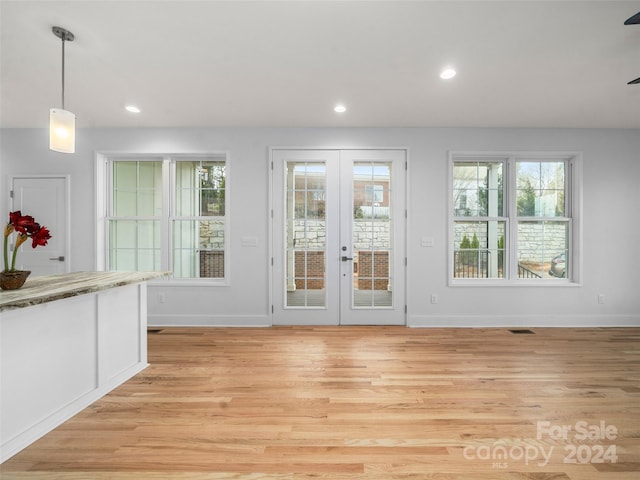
635,20
634,82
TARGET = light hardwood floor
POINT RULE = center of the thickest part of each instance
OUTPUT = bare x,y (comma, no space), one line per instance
375,403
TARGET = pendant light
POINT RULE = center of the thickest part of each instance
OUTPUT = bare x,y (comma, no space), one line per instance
62,123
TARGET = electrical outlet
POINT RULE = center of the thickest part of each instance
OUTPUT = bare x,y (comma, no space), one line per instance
161,298
434,298
601,298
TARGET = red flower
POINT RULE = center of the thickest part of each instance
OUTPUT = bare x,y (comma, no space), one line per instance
40,236
22,223
14,216
25,226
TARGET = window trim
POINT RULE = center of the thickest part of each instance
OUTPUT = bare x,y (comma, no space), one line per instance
573,205
104,197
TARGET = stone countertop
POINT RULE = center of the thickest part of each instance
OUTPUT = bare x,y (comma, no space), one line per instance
37,290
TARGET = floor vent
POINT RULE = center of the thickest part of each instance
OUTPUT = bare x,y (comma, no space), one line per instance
154,330
522,331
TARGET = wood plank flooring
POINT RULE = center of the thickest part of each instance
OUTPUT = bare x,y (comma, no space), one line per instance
375,403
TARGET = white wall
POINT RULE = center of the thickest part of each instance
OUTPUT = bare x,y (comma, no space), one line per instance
611,232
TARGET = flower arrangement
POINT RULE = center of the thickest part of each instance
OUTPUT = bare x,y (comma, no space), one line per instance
26,227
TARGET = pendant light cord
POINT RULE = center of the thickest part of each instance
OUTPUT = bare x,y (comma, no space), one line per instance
64,35
63,38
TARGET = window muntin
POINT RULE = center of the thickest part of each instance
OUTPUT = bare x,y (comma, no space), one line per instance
540,189
200,188
477,188
168,214
134,245
543,226
511,218
306,234
479,251
137,188
372,226
539,242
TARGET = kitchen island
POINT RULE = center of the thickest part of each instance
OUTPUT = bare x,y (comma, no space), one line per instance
65,341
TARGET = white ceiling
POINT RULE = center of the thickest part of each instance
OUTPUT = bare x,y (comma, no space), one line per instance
286,64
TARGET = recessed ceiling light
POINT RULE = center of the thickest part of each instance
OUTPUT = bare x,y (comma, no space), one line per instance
447,73
132,109
340,109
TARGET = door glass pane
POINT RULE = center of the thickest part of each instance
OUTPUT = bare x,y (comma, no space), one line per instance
371,235
306,234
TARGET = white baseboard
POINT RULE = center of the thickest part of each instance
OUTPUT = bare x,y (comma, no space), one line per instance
440,321
489,321
172,320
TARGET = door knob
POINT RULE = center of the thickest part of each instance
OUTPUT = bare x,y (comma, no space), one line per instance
345,258
59,259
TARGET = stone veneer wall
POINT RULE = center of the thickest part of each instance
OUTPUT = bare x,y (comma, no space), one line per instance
366,233
531,247
311,236
212,235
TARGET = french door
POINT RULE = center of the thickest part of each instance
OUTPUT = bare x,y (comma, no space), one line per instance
338,237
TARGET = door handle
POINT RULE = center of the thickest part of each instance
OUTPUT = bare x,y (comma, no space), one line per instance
345,258
59,259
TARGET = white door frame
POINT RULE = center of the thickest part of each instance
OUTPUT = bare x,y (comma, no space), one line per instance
402,300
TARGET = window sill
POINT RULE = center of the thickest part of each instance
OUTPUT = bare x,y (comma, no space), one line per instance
190,282
557,283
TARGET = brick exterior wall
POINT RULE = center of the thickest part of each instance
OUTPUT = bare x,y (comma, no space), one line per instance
373,266
314,269
211,264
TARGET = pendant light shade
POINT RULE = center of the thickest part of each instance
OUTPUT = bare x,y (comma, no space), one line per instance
62,130
62,123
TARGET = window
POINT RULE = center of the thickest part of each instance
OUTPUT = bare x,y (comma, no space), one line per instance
513,218
167,213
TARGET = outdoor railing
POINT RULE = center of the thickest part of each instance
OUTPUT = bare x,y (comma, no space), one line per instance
472,263
524,272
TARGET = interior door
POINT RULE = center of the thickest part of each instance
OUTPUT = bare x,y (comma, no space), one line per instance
45,199
338,237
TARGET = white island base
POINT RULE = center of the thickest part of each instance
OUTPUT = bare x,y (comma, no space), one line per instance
65,341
